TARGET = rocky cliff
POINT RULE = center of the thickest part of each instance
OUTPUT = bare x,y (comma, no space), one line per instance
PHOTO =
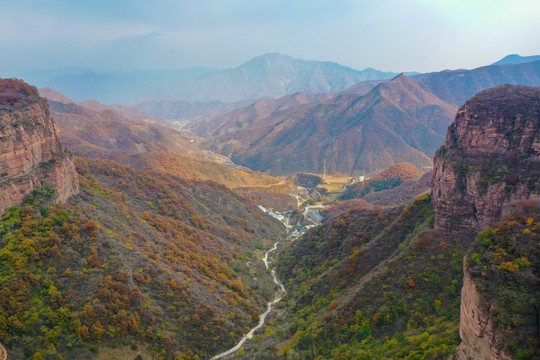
488,165
30,151
491,157
477,327
500,295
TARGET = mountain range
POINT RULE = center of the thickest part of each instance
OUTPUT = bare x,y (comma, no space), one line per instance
269,75
361,130
149,243
134,138
458,85
348,134
453,86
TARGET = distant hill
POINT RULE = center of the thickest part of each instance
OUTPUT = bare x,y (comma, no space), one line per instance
251,114
94,105
396,121
94,130
405,192
53,95
269,75
113,87
390,178
514,59
458,85
180,112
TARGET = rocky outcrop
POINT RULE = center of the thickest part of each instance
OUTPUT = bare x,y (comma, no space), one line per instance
490,158
30,151
477,328
3,353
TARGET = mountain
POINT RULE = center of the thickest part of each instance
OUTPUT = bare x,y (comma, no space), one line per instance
270,75
491,157
397,121
143,262
127,112
394,282
456,86
499,297
31,152
276,75
514,59
251,115
484,177
53,95
103,260
363,87
134,138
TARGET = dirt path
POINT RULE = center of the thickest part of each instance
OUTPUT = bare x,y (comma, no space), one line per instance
270,306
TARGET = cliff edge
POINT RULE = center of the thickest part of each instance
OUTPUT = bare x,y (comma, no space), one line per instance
490,158
486,181
30,152
500,313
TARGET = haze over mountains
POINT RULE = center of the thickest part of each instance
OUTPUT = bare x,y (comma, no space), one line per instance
328,115
513,59
308,132
272,75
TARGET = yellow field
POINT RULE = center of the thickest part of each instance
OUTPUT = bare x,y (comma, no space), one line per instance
335,183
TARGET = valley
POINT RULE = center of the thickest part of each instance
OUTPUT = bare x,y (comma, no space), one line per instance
282,209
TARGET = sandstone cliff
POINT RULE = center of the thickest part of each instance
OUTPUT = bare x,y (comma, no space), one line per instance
477,327
490,161
30,151
491,157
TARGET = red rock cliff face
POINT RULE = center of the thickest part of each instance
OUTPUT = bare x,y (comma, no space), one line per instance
477,328
30,151
491,157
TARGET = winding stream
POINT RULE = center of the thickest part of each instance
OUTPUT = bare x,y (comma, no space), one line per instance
270,306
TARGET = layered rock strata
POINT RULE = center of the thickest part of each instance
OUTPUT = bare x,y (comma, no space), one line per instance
490,158
477,328
30,152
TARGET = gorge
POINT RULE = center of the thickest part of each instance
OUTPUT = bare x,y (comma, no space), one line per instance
150,242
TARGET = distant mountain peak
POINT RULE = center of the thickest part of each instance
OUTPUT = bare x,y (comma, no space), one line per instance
514,59
400,76
273,55
401,81
270,57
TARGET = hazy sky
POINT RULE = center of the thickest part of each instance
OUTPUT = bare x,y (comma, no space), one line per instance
397,35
